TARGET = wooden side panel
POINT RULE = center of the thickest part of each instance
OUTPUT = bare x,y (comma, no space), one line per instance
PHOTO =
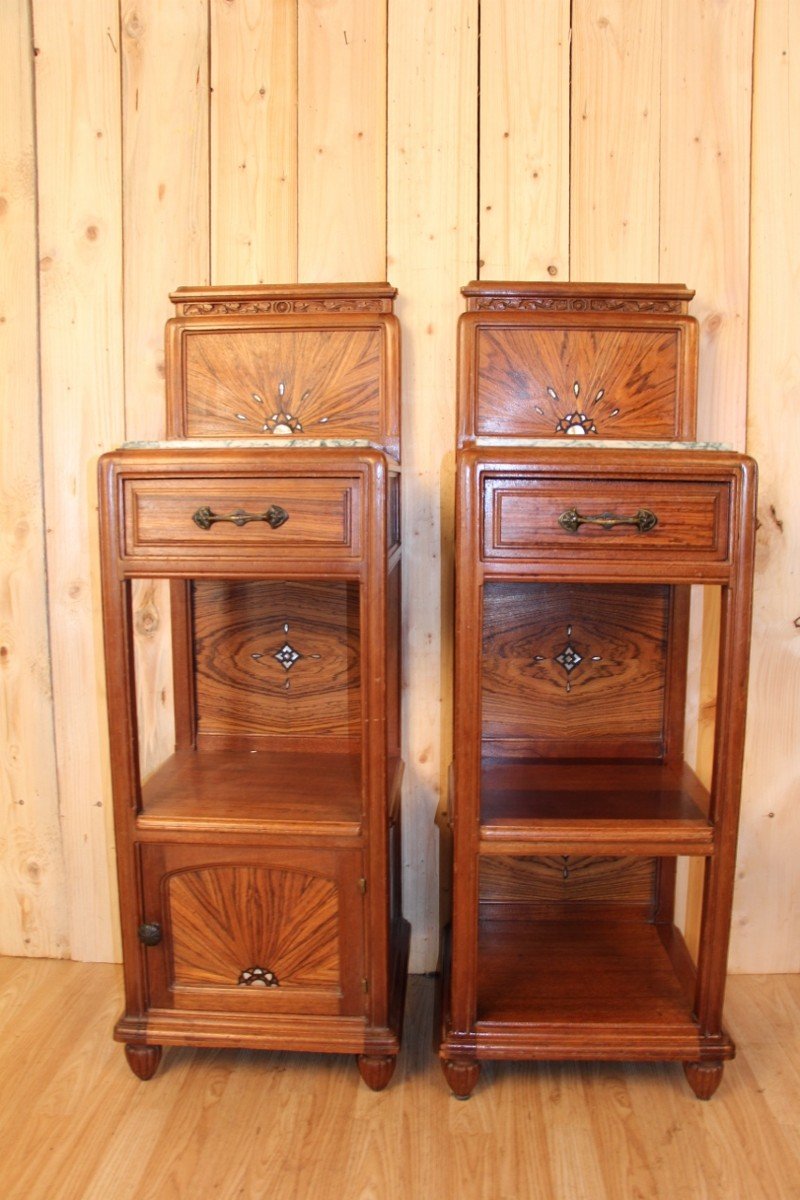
524,140
164,51
258,382
33,918
766,927
80,233
574,669
572,378
277,660
253,141
432,185
566,884
616,48
341,140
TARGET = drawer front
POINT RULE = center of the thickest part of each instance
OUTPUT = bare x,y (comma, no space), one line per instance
590,518
227,517
254,931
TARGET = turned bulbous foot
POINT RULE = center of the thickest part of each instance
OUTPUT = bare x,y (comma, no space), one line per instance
461,1076
704,1078
376,1069
143,1060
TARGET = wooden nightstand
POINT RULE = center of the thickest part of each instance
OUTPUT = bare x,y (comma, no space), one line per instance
571,798
259,864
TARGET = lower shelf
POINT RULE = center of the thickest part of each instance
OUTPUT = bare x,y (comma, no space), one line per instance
586,990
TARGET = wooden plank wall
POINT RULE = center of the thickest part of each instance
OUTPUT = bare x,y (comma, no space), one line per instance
240,141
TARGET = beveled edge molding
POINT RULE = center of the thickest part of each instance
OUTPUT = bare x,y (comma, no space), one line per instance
489,296
280,300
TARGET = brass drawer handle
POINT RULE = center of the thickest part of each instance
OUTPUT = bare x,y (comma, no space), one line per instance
275,516
571,520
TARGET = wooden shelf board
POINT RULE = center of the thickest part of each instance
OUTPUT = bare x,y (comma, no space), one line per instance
602,985
609,807
262,791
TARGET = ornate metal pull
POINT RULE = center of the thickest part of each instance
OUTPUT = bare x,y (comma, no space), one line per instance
275,516
571,520
150,933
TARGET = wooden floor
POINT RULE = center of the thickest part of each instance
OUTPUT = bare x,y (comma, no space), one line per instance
76,1125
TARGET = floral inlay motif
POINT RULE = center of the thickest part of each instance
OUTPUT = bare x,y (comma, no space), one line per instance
280,423
287,656
580,421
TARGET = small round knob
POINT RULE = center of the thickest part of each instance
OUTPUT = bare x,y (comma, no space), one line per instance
150,933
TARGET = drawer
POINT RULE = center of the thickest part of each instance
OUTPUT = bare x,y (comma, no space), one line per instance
542,518
229,516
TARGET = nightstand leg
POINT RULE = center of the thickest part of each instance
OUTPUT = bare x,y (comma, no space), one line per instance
376,1069
461,1075
704,1078
143,1060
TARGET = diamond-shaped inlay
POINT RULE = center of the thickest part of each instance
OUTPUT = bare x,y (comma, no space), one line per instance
287,656
569,658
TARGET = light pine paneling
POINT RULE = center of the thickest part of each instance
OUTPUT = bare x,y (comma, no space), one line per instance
524,140
616,54
32,882
80,277
254,141
275,140
766,933
341,140
432,238
165,192
706,77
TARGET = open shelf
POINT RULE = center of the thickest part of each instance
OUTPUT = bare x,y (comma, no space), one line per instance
284,792
584,808
585,989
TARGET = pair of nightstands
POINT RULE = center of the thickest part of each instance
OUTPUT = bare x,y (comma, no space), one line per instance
259,863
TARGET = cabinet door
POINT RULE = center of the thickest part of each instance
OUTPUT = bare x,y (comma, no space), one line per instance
254,931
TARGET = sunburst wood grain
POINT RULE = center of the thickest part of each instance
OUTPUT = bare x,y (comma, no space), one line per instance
253,169
614,170
597,380
249,683
609,689
524,140
33,918
226,920
432,250
766,930
341,140
267,382
80,242
164,57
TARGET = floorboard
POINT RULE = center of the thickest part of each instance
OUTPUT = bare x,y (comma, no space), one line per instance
75,1124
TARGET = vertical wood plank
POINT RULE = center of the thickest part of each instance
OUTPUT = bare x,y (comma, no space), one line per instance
432,237
165,239
32,884
766,930
614,200
79,153
254,141
524,139
706,84
341,134
706,89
